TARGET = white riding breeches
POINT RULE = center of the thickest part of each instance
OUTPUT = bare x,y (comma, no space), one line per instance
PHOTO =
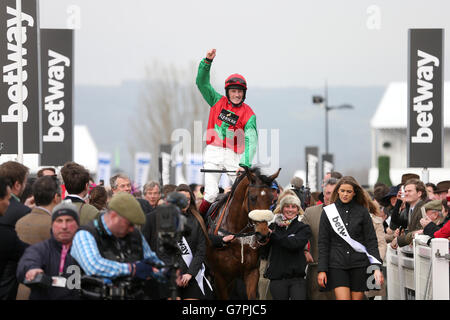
218,158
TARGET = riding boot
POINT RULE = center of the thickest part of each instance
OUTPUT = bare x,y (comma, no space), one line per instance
204,206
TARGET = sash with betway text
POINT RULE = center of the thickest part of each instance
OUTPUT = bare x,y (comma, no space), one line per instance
186,253
339,227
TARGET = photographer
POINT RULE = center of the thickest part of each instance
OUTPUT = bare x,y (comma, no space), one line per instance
111,247
51,258
301,192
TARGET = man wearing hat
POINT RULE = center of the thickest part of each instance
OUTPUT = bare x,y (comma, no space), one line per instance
434,217
111,247
442,190
51,258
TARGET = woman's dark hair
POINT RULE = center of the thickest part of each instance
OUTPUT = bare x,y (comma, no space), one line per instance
3,187
98,197
193,208
360,197
445,204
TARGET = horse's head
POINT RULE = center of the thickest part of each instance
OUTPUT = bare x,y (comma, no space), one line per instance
260,220
259,192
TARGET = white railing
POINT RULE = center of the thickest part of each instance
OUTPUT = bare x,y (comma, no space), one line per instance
420,273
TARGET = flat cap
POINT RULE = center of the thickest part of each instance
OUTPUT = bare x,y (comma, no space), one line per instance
127,207
433,205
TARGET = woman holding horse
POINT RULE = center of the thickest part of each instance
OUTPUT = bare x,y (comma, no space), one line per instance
192,284
348,246
287,263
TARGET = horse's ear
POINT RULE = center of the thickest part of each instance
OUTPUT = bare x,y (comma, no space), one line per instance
275,175
250,175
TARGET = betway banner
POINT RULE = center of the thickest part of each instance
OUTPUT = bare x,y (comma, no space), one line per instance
141,168
425,98
312,168
104,168
57,96
10,57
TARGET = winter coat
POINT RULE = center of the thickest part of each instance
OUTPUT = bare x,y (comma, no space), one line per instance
431,228
35,226
197,243
286,259
11,249
444,232
15,211
413,225
335,252
46,255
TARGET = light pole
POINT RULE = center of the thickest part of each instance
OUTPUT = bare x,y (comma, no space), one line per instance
324,101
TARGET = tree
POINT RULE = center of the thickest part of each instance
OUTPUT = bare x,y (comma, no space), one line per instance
169,100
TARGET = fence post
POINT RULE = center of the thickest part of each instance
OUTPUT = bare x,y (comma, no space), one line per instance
440,271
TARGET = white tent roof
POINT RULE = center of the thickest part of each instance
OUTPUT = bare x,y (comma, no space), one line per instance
392,112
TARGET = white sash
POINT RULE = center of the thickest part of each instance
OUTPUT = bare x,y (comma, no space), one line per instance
187,257
339,227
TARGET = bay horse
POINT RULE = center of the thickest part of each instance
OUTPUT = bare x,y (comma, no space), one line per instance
240,258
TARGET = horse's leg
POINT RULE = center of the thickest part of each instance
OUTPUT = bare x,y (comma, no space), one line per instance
251,279
221,286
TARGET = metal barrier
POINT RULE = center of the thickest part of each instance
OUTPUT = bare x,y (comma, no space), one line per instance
419,273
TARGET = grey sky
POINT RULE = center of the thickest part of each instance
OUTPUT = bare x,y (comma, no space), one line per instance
273,43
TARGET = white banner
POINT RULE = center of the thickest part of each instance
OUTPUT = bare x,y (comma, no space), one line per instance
193,165
179,175
104,168
141,168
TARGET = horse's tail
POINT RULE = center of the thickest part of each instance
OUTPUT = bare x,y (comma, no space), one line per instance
202,225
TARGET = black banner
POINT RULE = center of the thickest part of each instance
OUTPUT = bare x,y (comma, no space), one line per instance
312,168
166,169
425,98
57,96
9,88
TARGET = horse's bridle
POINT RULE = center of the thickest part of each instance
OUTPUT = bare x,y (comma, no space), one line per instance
250,225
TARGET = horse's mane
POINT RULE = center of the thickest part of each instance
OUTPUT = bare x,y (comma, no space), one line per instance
255,170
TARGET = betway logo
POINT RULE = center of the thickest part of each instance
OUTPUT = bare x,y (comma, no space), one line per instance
423,103
56,65
10,71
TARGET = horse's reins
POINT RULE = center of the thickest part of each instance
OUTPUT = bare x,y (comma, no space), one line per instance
240,234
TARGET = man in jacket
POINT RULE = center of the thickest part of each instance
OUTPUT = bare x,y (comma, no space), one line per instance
122,183
5,196
415,196
35,226
51,258
110,247
11,248
16,175
76,181
312,218
231,136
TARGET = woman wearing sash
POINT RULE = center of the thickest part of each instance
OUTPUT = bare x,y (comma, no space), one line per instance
348,246
192,285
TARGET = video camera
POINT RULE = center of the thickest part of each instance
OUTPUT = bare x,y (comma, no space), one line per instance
171,225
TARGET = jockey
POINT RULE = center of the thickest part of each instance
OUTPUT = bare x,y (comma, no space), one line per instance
231,137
